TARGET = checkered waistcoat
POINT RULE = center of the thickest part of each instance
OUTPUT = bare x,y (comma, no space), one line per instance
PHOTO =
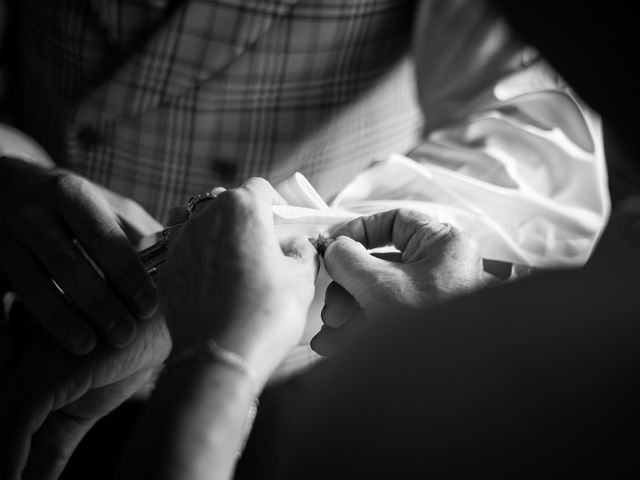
158,100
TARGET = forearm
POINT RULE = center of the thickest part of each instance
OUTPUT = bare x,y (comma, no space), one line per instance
193,425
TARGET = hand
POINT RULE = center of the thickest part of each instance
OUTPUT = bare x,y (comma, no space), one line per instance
46,215
51,398
228,278
134,220
436,261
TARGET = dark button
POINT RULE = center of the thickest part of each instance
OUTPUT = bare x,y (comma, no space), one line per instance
226,170
89,137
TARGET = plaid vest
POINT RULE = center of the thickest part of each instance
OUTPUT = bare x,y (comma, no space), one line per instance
160,99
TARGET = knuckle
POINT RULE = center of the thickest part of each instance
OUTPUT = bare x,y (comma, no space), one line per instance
261,190
236,199
413,216
448,231
341,241
461,239
66,182
435,233
69,189
258,181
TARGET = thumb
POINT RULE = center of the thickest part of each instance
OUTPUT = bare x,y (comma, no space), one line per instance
350,264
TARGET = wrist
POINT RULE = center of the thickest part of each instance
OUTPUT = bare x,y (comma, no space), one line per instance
211,353
264,344
189,372
206,410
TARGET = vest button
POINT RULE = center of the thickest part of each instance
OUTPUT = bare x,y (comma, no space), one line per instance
89,137
225,170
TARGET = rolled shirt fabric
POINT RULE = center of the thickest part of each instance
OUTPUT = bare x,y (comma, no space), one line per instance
529,185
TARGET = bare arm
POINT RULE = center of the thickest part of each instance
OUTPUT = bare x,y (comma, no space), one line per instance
194,423
227,280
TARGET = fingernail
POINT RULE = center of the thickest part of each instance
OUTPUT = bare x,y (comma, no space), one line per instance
81,340
146,303
121,332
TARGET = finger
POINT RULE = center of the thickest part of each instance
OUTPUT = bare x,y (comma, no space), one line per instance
393,226
442,241
332,341
53,445
136,222
217,191
43,300
328,342
248,210
349,263
264,197
92,222
177,215
263,191
134,219
339,306
57,439
78,279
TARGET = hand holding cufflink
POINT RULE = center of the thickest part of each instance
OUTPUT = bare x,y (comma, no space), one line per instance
152,257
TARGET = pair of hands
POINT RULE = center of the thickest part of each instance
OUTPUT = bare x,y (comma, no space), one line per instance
229,249
59,226
433,262
52,397
254,302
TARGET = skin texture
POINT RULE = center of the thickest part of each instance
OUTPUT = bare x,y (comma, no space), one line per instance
436,262
227,279
56,225
52,398
230,286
